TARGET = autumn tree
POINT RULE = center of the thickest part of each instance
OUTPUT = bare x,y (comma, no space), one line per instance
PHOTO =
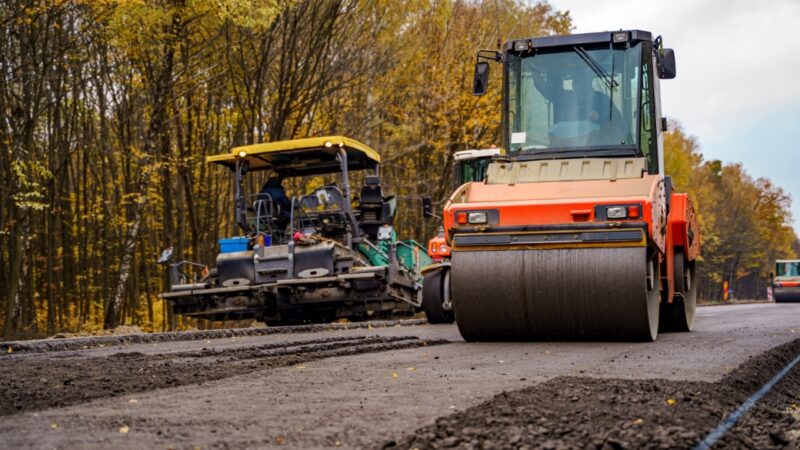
429,112
744,223
108,109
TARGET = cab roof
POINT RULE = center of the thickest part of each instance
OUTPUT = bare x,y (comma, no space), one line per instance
620,36
477,153
300,157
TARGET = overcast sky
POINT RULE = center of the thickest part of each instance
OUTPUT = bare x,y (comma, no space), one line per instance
738,83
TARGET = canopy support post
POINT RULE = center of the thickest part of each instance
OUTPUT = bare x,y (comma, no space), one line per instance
239,205
353,233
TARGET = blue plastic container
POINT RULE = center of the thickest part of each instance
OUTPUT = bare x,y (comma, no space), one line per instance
234,244
267,240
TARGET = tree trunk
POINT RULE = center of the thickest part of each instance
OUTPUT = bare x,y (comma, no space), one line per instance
158,122
19,275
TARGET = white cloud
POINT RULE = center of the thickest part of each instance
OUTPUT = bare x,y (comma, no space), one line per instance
738,74
737,60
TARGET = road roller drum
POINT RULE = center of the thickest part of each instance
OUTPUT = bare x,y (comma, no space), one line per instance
786,295
577,293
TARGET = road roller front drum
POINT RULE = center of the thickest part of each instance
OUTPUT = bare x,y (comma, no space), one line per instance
786,295
562,294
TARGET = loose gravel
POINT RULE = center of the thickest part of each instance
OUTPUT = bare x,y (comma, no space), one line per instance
615,414
29,384
81,343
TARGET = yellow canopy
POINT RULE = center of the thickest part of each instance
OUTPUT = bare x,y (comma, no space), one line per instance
298,157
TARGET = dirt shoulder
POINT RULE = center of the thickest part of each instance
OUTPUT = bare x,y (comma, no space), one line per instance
31,384
59,343
573,412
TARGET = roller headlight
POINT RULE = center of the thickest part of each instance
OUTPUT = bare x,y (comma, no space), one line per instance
616,212
477,217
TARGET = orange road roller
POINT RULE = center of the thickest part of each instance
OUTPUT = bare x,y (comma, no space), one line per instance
786,285
575,233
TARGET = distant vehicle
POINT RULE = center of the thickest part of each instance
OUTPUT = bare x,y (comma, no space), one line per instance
469,165
786,281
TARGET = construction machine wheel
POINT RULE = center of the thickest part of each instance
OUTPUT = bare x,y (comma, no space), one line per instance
679,315
786,296
436,296
579,293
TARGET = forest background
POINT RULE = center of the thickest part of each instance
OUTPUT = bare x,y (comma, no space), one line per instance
109,108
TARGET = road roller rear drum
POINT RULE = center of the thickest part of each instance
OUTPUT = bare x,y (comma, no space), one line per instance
679,314
436,296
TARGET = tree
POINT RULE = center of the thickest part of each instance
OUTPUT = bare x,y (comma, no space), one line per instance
744,223
108,109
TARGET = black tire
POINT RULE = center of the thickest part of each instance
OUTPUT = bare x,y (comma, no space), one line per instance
678,316
433,293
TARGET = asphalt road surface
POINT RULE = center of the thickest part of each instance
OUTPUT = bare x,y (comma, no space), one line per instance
376,387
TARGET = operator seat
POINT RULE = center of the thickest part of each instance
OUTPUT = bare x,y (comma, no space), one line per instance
376,210
323,210
263,217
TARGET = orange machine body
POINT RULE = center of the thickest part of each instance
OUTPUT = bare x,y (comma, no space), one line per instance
438,249
558,210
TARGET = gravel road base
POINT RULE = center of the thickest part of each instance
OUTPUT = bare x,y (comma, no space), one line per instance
83,343
614,414
30,384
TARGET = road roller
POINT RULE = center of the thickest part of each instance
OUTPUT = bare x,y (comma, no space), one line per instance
576,232
786,282
468,165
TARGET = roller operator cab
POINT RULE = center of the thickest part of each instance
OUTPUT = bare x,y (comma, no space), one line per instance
786,281
576,232
327,253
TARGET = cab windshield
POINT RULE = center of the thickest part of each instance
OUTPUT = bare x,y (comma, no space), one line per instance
788,269
574,99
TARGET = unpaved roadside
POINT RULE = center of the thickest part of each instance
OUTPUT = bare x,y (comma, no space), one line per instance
31,384
365,399
615,414
58,344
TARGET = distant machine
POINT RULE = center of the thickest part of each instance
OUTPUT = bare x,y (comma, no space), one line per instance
786,281
468,166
